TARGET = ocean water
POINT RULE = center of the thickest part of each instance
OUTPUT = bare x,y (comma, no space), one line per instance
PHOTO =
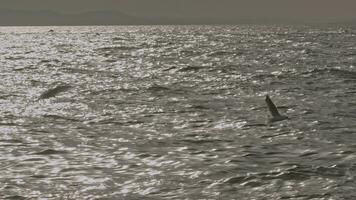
177,112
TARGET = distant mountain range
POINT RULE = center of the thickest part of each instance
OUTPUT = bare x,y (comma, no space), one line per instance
50,18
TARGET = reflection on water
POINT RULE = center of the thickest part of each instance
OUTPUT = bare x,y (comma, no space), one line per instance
177,112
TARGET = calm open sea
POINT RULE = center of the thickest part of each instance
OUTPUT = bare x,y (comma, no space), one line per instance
177,112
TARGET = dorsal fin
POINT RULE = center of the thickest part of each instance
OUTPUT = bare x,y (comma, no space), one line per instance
272,108
54,91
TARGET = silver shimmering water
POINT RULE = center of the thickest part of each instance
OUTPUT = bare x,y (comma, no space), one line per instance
177,112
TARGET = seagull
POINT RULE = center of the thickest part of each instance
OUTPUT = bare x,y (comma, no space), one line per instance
274,111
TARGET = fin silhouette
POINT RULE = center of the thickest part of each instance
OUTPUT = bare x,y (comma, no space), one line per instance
54,91
274,111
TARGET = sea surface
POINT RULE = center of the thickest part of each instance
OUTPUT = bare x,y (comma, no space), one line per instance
177,112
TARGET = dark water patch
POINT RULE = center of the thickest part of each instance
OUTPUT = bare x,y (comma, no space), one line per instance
33,160
272,153
351,92
307,111
35,130
335,171
157,88
347,152
278,83
230,69
239,179
350,81
345,114
50,152
202,141
274,135
110,60
39,176
134,122
308,154
15,197
116,49
146,155
289,176
189,53
263,76
118,39
5,96
251,125
87,71
13,143
309,196
191,69
15,58
330,126
19,69
199,107
36,83
253,183
49,61
222,53
170,68
10,123
342,73
117,121
70,170
58,117
11,140
300,172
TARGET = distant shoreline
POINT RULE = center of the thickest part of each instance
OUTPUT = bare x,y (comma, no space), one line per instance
191,24
116,18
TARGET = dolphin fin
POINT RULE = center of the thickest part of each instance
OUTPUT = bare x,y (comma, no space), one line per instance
272,108
274,111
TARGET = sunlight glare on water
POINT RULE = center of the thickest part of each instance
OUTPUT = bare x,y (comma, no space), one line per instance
177,112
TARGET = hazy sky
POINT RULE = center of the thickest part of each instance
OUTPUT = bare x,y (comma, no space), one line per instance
308,9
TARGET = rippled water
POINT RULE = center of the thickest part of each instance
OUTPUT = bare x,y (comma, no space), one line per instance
177,112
